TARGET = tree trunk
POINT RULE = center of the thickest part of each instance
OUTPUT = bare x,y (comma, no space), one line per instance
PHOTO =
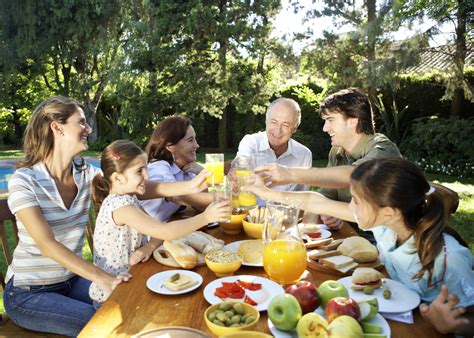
90,112
371,37
459,59
222,128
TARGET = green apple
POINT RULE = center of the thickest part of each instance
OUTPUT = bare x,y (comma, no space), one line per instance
312,325
374,335
368,308
284,311
345,326
370,328
331,289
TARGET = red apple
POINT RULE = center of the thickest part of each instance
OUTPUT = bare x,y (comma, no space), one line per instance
306,294
341,306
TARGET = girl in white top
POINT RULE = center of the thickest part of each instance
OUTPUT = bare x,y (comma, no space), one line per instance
121,224
392,198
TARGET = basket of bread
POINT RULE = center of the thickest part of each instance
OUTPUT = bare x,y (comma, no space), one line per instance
341,257
187,252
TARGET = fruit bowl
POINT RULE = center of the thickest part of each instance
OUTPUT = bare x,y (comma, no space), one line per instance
253,230
245,310
235,225
223,262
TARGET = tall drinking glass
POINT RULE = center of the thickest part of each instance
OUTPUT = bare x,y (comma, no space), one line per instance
223,192
215,165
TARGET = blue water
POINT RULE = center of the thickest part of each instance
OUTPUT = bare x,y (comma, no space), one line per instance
6,172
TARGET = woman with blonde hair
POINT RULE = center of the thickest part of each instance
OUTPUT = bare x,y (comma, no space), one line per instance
50,194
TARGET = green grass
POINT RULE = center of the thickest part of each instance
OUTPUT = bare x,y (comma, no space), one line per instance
9,154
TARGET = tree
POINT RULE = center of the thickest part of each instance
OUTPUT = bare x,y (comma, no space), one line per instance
71,44
365,56
201,52
461,14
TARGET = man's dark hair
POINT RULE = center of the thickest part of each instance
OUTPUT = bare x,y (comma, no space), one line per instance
350,102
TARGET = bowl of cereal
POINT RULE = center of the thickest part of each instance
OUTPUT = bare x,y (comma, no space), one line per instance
223,262
231,317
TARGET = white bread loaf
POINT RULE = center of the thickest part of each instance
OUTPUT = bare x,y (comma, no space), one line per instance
182,253
359,249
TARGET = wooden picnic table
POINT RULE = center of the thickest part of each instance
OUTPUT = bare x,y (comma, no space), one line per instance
132,308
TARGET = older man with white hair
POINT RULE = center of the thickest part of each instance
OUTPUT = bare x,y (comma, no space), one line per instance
275,144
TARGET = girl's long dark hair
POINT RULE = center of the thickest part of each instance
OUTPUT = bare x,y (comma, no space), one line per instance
400,184
116,157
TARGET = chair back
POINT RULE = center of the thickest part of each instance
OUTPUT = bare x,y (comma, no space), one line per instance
450,198
6,215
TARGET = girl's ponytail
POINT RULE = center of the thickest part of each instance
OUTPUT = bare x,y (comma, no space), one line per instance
100,190
116,157
428,232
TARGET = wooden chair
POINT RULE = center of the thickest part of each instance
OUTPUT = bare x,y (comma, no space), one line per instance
6,215
450,198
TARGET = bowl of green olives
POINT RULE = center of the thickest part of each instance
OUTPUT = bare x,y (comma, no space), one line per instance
230,317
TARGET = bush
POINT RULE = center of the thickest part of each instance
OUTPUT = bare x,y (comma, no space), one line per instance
441,145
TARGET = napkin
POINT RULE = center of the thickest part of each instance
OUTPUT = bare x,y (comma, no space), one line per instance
404,317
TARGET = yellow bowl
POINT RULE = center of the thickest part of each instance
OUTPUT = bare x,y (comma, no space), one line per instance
247,334
235,225
219,330
223,269
253,230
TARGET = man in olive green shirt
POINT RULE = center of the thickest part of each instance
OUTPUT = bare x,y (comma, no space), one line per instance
350,124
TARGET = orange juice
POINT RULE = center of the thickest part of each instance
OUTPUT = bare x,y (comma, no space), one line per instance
284,260
235,201
247,199
217,171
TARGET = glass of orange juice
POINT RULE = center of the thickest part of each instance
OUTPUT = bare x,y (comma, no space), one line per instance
284,253
215,165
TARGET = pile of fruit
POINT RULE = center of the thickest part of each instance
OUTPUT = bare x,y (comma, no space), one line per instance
344,316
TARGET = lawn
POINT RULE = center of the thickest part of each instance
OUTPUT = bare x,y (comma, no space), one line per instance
462,220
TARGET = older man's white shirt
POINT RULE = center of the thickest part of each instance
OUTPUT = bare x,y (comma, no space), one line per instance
297,155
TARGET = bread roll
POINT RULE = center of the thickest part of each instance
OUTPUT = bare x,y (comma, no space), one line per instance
359,249
163,257
363,277
182,253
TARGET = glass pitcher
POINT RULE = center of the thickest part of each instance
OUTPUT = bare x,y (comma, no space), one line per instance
284,253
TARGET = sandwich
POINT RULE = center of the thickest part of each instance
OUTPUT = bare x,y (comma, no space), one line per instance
340,263
363,277
359,249
178,282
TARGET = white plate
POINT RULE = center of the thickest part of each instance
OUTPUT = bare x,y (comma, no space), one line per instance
324,234
234,247
403,299
263,296
378,320
155,282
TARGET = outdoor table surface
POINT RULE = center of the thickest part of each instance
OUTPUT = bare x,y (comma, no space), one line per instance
132,308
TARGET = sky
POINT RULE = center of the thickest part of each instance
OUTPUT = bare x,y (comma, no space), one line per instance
288,22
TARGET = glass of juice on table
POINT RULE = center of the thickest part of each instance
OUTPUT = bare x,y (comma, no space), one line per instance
284,253
215,165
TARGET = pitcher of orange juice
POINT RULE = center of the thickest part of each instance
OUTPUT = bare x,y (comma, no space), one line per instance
284,253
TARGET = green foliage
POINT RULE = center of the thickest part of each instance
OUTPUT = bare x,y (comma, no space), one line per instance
442,146
395,124
310,132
